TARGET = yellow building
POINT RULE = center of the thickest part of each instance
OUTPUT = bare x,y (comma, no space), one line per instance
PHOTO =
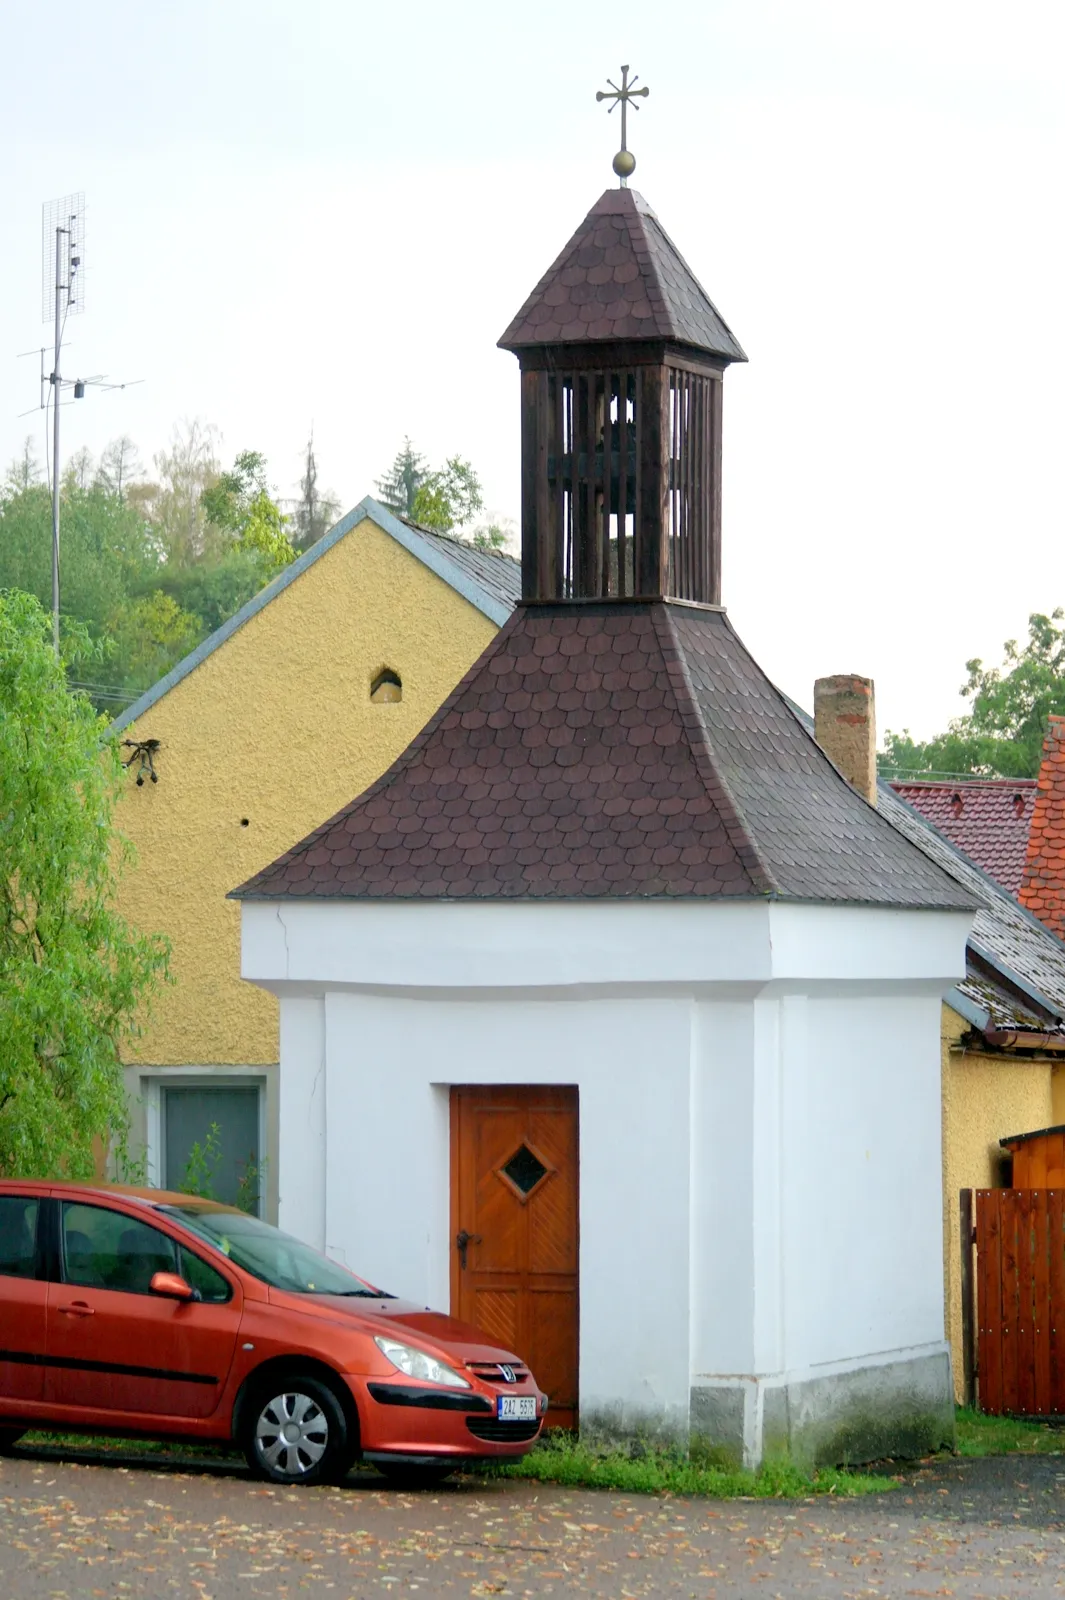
301,699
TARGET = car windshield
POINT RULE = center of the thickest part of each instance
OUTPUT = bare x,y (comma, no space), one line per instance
269,1254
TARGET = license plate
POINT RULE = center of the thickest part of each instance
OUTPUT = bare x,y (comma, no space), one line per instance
516,1407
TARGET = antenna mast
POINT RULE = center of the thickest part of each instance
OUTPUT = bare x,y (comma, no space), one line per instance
63,242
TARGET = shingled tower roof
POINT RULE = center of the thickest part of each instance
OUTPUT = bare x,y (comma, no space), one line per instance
611,752
621,277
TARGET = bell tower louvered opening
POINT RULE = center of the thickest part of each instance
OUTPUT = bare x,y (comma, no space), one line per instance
622,357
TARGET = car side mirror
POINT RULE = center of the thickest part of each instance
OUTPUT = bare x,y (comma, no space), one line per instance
171,1286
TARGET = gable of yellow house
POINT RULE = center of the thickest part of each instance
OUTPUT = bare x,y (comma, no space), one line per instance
302,698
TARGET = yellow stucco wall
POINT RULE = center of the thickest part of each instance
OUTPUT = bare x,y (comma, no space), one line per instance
276,726
985,1097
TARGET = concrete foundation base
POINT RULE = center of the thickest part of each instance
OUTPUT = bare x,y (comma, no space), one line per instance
900,1406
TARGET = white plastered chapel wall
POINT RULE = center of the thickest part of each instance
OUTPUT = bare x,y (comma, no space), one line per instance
759,1117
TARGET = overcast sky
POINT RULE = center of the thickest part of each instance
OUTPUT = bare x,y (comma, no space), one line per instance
324,212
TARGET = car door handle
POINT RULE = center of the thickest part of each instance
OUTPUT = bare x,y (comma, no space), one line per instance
78,1308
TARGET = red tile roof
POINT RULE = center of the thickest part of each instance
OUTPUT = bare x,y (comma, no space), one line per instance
621,277
987,819
621,751
1043,884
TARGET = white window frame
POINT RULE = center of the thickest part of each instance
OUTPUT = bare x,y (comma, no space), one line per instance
153,1080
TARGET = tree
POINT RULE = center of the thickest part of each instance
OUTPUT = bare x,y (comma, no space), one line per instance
238,503
399,486
1002,735
175,504
23,472
315,511
73,974
119,467
146,637
449,498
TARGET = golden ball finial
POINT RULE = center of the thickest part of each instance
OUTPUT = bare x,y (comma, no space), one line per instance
624,163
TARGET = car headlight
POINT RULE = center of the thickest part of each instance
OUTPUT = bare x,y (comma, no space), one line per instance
419,1364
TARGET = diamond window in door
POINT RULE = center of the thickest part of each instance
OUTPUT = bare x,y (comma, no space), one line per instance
524,1171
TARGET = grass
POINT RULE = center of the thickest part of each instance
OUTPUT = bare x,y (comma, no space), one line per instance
978,1435
559,1458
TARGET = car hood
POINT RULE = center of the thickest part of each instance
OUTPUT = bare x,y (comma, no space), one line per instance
414,1324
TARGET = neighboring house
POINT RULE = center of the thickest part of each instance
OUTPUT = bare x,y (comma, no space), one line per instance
610,1013
987,819
307,693
1003,1026
1013,829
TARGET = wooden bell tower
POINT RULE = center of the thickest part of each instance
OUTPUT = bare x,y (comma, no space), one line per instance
622,357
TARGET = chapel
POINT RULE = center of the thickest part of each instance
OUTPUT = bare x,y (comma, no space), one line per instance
610,1012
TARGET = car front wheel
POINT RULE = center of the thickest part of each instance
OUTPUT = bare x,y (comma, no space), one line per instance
295,1431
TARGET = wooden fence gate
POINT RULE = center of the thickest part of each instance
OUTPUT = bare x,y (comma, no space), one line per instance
1019,1305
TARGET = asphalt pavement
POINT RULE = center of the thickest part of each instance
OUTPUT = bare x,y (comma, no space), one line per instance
83,1527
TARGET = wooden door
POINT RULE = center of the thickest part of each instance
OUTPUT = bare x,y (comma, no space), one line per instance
514,1193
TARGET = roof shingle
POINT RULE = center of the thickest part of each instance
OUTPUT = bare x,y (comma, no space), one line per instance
621,277
613,752
987,819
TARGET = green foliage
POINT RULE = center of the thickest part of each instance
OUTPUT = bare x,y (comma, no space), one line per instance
398,488
144,568
201,1170
449,498
202,1165
1002,735
105,551
73,974
492,538
238,504
148,635
978,1435
249,1186
214,588
561,1458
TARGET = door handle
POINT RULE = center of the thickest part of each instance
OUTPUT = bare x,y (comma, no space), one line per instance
462,1241
79,1308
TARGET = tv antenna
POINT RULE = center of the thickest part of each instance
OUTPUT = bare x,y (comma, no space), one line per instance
62,293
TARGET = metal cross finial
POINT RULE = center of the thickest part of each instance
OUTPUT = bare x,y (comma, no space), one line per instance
624,163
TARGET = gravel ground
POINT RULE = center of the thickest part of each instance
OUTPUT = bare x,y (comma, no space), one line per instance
74,1526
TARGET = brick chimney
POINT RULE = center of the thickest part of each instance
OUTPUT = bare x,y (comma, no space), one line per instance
845,728
1043,885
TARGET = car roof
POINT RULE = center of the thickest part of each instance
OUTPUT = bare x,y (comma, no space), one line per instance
104,1191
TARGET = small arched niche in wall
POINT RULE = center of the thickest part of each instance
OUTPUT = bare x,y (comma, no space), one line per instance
386,689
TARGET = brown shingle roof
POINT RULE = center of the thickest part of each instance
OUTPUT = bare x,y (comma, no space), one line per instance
621,277
611,752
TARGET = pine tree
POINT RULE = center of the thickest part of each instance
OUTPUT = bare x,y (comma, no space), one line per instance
398,488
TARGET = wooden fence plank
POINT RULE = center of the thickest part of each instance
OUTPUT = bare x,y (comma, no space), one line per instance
989,1287
969,1321
1007,1215
1021,1204
1056,1281
1041,1300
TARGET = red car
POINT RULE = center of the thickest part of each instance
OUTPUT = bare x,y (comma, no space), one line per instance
134,1311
